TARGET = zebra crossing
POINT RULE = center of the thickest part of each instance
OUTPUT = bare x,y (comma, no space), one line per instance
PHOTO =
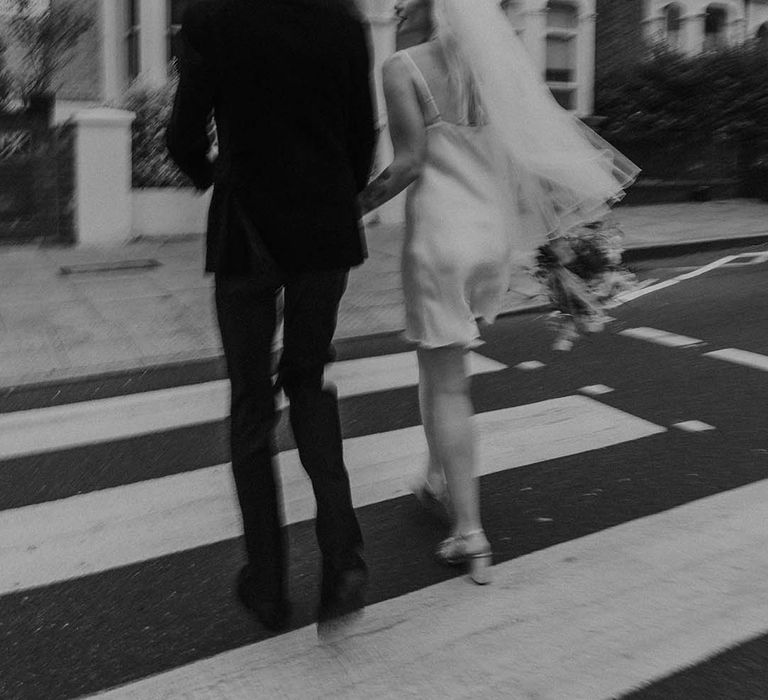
126,587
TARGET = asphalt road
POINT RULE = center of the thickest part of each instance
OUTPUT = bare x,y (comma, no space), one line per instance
74,636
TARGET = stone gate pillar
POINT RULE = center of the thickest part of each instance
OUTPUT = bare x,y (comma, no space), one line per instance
103,206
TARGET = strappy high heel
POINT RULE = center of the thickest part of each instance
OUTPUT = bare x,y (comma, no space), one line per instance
458,550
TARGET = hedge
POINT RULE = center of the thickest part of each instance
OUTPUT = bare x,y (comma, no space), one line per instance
152,166
717,95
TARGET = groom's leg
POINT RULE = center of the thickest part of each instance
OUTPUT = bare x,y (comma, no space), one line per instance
246,314
310,313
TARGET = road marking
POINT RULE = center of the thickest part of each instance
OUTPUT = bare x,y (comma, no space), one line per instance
90,422
642,599
619,299
84,534
757,258
529,366
708,268
693,426
653,335
637,293
741,357
596,390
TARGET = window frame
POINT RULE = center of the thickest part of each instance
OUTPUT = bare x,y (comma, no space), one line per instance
714,41
673,36
131,40
572,34
171,30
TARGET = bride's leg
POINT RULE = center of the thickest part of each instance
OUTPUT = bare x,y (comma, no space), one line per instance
449,409
435,477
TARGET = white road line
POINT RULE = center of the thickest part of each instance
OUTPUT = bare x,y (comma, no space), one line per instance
84,534
591,618
745,259
88,422
637,293
708,268
741,357
653,335
693,426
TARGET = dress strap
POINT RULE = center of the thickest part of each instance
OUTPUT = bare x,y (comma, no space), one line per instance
432,114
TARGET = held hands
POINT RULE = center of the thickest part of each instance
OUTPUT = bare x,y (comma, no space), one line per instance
376,194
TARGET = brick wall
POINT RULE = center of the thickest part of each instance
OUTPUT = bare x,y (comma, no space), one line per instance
619,34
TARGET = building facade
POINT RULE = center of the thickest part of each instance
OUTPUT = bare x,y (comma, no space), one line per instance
626,29
693,26
134,39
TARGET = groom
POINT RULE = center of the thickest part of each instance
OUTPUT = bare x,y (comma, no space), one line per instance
288,83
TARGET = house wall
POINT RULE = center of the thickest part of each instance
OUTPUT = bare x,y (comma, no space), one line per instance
743,18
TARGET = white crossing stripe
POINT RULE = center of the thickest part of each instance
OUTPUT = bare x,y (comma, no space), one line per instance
596,390
693,426
88,533
89,422
530,365
653,335
592,618
741,357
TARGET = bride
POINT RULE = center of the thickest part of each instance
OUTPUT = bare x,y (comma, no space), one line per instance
493,167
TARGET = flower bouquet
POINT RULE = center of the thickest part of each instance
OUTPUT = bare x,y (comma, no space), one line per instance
583,274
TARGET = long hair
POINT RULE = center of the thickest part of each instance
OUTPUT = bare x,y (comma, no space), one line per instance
460,77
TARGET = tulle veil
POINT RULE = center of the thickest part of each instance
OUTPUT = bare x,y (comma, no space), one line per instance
560,172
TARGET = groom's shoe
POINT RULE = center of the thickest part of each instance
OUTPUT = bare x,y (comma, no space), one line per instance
274,614
344,600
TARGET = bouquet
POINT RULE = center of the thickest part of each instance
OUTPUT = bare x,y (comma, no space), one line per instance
583,274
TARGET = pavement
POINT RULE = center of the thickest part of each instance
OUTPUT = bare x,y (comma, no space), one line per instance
73,312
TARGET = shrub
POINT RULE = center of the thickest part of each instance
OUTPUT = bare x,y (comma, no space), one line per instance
719,94
152,166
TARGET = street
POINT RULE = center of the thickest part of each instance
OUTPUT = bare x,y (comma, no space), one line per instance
623,490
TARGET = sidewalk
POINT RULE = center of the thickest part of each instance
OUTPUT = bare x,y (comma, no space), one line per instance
55,325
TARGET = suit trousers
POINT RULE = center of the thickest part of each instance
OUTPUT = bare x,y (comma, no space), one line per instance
246,310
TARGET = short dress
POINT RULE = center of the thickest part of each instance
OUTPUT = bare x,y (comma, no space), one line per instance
457,248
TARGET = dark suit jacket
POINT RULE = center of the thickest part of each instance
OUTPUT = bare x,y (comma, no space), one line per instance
288,82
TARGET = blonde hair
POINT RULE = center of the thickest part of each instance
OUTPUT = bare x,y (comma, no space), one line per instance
461,80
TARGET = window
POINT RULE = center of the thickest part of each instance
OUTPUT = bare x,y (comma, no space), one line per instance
562,40
673,23
131,36
176,10
715,27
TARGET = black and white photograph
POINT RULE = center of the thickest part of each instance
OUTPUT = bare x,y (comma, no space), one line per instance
383,349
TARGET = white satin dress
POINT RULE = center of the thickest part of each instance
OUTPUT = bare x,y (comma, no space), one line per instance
456,253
